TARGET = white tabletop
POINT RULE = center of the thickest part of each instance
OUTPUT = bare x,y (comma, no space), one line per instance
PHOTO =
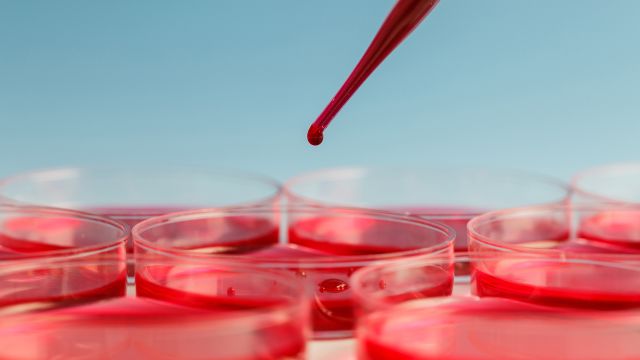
332,350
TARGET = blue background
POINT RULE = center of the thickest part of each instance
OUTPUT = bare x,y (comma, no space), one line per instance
547,86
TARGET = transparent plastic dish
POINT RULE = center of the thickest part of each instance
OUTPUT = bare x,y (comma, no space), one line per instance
32,232
610,184
248,313
513,306
322,247
450,195
130,195
587,231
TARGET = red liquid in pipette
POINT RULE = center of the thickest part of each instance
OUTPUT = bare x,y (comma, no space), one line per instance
403,19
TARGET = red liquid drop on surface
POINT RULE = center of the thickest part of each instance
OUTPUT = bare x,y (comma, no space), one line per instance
467,327
332,286
341,236
401,21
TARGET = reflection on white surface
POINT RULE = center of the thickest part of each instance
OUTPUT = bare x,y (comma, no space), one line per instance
332,350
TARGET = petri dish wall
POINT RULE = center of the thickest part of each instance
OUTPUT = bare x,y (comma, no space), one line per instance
450,195
248,313
513,306
322,247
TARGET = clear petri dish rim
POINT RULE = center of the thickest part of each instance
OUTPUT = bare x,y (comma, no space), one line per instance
568,210
580,188
447,233
271,189
70,253
362,296
297,301
292,192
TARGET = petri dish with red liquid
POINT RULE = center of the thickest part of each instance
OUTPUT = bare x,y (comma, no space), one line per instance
255,314
615,185
450,195
398,318
320,246
555,232
33,234
130,195
587,231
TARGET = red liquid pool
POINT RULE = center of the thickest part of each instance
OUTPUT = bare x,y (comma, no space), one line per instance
403,19
332,304
225,235
553,234
232,234
7,253
203,288
332,309
45,286
469,328
615,229
138,328
41,284
583,282
35,236
27,236
564,284
339,237
579,245
349,236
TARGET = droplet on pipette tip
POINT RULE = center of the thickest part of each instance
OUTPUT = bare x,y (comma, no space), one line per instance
314,135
